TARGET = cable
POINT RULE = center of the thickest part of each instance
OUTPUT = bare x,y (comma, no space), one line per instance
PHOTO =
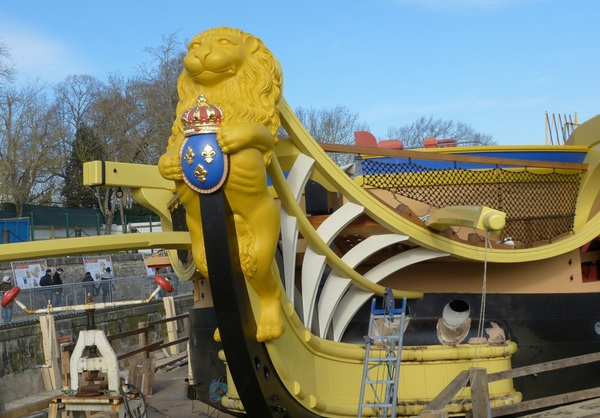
127,398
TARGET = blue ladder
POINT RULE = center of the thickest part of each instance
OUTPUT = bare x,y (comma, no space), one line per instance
383,349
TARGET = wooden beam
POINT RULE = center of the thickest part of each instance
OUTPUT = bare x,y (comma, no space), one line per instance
546,402
544,367
168,319
449,392
51,353
480,395
150,347
173,343
26,410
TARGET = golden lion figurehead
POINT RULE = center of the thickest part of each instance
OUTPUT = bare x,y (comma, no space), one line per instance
234,70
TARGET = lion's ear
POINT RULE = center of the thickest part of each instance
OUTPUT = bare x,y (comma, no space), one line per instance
252,44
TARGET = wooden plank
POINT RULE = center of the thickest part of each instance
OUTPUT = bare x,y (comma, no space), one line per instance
480,395
446,395
26,410
46,379
151,347
423,155
174,342
546,402
130,333
143,338
544,367
165,320
50,345
141,374
170,312
65,363
172,360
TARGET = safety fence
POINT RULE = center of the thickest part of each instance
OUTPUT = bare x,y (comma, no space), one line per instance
115,290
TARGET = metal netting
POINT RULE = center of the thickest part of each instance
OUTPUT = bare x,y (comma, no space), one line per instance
539,206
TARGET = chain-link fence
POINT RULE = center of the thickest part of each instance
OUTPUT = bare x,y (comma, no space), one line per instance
539,206
115,290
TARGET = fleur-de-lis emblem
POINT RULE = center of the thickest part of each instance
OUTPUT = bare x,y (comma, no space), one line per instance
208,153
200,173
189,155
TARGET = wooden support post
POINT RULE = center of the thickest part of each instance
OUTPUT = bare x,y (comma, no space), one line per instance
171,325
186,326
51,374
480,395
65,363
143,339
189,364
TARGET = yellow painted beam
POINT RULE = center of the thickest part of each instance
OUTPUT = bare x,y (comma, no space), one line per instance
114,174
93,245
378,211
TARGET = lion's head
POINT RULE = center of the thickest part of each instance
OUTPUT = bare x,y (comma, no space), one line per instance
234,70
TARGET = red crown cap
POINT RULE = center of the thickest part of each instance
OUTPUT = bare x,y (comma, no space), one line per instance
201,119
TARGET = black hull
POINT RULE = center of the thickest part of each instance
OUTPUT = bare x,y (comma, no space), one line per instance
206,366
544,326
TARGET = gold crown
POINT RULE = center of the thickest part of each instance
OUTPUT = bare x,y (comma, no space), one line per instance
201,119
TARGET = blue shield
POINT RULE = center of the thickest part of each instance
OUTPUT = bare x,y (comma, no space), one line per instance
203,163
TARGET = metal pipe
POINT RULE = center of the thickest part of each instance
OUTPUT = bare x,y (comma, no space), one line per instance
87,306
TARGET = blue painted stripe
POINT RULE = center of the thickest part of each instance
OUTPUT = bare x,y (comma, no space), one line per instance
549,156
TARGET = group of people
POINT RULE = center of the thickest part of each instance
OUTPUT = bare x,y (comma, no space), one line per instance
54,290
53,296
106,284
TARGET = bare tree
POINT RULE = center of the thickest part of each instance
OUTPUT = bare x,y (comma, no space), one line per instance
134,117
7,68
117,120
73,99
27,151
332,126
157,86
412,135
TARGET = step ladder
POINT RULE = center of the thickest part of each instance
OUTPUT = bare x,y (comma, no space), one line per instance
379,389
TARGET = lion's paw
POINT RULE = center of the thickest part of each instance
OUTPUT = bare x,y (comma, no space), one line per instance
271,324
169,166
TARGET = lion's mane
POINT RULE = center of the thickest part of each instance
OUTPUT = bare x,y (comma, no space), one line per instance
252,95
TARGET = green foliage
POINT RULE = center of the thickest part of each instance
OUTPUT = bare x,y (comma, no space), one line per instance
86,147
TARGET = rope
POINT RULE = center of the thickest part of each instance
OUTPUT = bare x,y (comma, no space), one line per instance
480,327
483,287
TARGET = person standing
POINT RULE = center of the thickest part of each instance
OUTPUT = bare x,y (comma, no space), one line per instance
88,284
107,284
7,311
58,291
45,281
